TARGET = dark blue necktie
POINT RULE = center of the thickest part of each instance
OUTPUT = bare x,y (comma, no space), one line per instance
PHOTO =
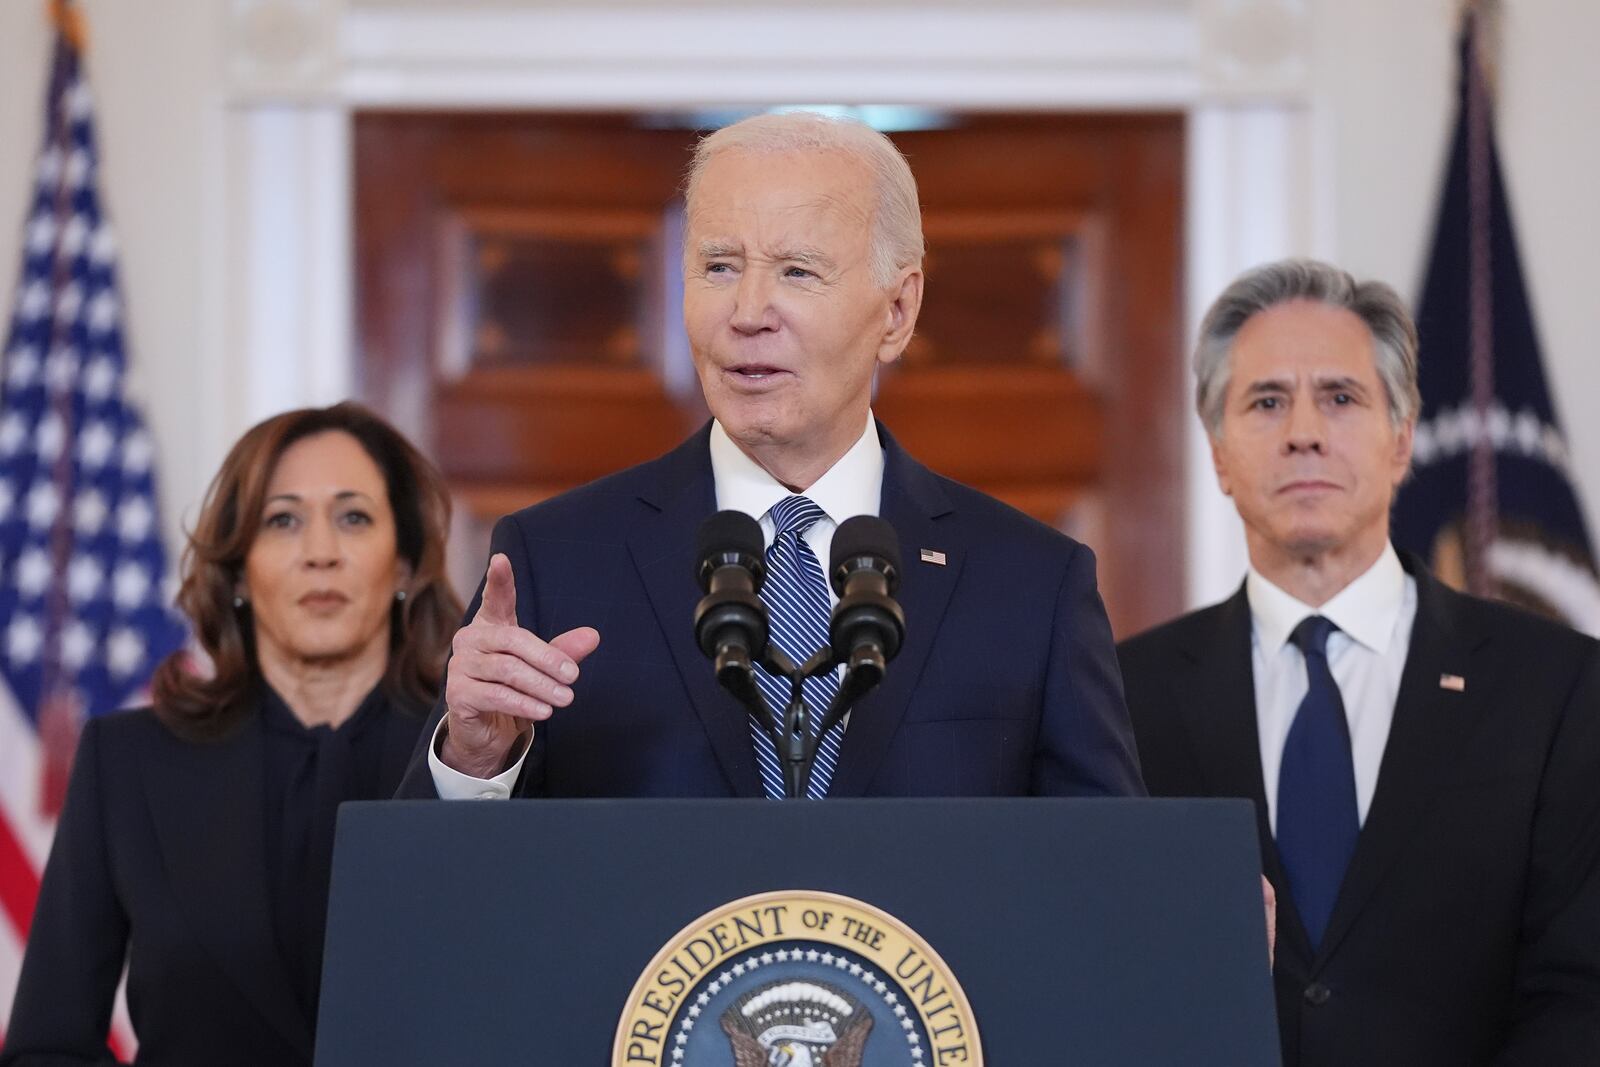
798,607
1318,821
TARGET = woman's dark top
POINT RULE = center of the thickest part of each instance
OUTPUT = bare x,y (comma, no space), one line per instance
311,770
204,866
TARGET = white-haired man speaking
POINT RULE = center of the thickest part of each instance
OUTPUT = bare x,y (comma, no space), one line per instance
578,674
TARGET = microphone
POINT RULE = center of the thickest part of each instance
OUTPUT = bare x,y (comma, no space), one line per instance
730,622
867,625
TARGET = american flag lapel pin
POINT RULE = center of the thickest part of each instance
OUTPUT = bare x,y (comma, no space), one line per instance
1453,682
933,556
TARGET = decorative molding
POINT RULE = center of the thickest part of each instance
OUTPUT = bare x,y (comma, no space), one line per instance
1254,48
1103,56
1100,54
283,49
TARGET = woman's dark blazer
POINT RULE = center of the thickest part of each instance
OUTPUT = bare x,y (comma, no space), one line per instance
160,857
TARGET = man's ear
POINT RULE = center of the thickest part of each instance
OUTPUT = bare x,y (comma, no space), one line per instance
1404,441
1219,463
905,301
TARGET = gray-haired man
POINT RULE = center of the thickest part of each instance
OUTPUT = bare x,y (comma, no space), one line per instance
1425,765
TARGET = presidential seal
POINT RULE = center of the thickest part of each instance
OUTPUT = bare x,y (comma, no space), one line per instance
796,979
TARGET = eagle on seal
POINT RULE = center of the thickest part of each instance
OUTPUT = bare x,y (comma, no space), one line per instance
846,1052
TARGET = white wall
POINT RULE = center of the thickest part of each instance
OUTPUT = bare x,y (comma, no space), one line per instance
1382,79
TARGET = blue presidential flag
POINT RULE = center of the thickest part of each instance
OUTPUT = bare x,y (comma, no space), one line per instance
1491,503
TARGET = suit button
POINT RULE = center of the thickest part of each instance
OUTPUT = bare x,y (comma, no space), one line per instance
1317,994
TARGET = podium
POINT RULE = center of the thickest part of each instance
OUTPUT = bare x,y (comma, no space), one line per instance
1081,932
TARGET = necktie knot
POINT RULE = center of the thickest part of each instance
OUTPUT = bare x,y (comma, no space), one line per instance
1311,636
795,515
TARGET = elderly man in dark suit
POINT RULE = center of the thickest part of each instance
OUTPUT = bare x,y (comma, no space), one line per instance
1425,765
802,274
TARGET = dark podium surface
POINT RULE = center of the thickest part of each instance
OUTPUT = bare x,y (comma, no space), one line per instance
1115,932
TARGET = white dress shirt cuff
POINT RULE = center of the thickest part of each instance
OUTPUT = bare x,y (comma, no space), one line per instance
451,784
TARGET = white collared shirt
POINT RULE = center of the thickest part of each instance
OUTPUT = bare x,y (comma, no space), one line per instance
852,486
1367,655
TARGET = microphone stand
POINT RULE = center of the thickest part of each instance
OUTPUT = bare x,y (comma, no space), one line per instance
795,741
736,673
730,619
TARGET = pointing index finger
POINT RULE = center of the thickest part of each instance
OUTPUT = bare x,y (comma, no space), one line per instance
499,603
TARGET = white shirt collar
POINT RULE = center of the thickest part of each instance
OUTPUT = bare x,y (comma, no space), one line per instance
1366,609
852,486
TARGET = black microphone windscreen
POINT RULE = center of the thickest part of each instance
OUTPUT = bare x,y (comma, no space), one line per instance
864,535
730,532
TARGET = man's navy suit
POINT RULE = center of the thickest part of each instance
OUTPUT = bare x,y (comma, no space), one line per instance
1467,928
1007,683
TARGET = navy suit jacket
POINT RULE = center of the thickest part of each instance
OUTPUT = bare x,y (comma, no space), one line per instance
1007,683
1467,929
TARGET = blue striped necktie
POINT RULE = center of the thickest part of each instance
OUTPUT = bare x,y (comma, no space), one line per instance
1318,819
797,601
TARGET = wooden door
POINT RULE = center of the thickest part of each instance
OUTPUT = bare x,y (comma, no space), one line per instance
518,290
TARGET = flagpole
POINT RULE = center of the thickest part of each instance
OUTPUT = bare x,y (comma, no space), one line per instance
1482,489
61,712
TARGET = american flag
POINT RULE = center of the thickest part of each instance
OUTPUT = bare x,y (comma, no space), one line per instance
83,615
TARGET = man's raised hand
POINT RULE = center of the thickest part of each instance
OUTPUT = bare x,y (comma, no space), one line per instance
502,679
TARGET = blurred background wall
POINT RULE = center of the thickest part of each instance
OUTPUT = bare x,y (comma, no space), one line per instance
237,307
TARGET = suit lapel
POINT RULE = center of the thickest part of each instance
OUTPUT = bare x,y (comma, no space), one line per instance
1220,717
206,804
1430,728
913,503
1220,721
663,549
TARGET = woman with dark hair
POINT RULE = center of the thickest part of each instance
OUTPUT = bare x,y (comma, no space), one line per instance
197,836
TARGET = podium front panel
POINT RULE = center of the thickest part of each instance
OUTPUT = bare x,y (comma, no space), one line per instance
1083,932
